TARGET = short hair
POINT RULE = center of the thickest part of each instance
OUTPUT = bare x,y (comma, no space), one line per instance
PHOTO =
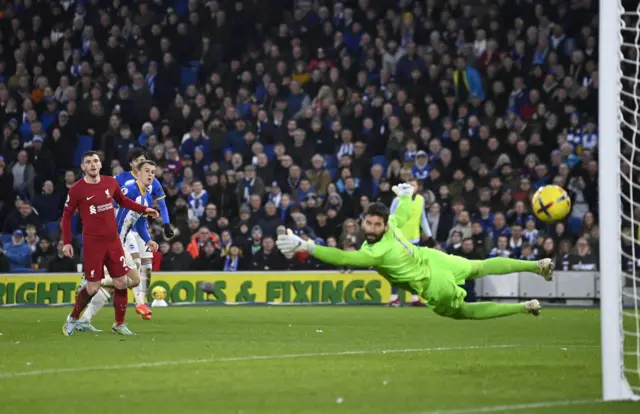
88,154
146,162
135,153
378,209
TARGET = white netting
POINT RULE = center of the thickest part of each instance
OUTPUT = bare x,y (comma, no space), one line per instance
629,133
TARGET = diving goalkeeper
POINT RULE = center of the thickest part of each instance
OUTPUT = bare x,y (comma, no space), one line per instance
433,275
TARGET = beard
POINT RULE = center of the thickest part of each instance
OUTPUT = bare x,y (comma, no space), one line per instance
373,238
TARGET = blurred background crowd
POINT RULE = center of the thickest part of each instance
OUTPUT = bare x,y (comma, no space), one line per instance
264,114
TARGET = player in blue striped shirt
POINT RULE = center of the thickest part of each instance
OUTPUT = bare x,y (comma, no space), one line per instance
134,244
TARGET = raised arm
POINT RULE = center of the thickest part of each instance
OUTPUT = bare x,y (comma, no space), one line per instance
402,212
126,202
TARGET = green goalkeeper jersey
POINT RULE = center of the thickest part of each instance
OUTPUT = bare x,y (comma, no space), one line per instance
393,257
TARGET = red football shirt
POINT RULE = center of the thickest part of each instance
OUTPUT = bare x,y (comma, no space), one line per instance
94,202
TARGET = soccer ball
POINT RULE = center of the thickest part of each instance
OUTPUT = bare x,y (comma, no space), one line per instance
551,203
159,293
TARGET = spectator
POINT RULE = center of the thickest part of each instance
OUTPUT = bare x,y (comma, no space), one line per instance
268,258
178,259
43,255
18,253
208,258
47,204
21,217
584,258
199,240
24,175
233,261
197,200
60,263
502,248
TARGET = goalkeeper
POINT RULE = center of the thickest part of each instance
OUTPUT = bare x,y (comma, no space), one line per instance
433,275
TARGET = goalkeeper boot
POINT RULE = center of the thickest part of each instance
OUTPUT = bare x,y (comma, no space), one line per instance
533,307
144,311
69,326
545,269
121,329
86,327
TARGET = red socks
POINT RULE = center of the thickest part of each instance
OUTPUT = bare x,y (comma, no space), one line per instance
120,300
82,300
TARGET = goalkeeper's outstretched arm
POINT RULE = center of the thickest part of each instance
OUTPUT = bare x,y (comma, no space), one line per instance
360,258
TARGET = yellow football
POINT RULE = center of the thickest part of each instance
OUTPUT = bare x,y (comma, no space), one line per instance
551,203
159,293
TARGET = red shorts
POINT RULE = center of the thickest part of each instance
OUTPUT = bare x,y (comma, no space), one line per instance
99,253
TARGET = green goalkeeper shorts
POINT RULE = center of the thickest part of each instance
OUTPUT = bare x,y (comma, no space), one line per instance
444,295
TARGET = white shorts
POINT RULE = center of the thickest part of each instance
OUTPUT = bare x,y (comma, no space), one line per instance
135,245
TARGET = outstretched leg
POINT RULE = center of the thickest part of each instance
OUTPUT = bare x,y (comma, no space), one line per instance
489,310
503,266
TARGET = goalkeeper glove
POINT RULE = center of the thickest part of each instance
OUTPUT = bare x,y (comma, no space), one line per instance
290,243
168,231
404,189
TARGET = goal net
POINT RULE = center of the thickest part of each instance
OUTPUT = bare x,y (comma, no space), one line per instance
619,163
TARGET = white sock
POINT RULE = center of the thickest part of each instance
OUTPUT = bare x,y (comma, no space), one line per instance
140,291
415,298
394,297
106,282
97,302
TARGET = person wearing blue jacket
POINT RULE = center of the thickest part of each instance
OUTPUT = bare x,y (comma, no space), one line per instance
18,253
467,81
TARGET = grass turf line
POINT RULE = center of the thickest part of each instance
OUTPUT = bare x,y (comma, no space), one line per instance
560,361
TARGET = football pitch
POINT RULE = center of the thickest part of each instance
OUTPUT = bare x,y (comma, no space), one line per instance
286,359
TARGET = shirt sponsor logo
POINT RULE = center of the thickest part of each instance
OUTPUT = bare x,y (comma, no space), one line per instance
100,209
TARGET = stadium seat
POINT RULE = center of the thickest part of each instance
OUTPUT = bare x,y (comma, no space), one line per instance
75,221
268,150
85,143
380,159
188,76
574,225
5,239
331,162
52,228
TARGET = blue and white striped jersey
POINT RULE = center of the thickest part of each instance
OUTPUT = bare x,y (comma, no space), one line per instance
129,220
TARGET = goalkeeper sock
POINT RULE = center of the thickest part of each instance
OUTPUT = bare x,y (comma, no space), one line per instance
97,302
140,291
501,266
488,310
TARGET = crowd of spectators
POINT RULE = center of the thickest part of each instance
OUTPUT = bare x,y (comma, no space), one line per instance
271,114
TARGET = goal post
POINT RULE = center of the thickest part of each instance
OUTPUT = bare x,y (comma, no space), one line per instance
619,83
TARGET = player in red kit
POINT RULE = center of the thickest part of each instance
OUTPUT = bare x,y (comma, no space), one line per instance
93,197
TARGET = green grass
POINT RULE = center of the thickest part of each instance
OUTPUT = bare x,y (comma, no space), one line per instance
296,360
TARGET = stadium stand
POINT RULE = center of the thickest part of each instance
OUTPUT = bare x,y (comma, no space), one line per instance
483,101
